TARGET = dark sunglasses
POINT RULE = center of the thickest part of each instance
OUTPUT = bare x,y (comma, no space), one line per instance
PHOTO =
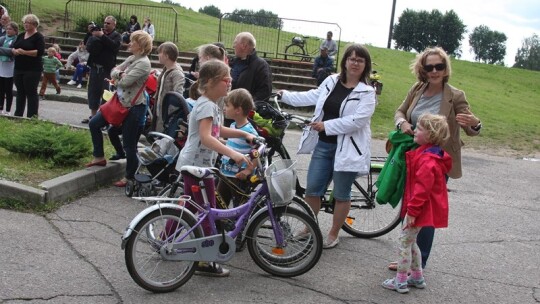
438,67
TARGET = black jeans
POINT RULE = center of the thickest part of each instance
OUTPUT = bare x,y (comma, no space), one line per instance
6,92
96,85
27,83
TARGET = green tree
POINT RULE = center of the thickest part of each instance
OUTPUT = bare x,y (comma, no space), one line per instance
487,45
170,2
211,10
262,18
528,56
422,29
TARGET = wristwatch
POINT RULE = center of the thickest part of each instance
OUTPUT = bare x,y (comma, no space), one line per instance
398,126
477,127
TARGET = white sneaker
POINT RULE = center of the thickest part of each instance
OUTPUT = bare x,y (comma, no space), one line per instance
71,82
79,86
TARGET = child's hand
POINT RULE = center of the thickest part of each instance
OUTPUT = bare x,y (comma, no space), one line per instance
250,138
242,175
240,158
410,220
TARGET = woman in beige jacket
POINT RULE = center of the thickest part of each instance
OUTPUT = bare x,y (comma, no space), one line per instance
129,77
433,94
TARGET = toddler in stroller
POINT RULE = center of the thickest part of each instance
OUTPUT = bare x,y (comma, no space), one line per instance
156,165
157,161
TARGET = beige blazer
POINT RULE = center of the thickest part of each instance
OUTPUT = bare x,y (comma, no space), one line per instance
453,102
136,69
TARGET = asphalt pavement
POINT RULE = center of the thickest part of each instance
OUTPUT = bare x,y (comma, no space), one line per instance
490,253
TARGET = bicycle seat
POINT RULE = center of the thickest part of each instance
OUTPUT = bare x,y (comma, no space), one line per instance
198,172
298,40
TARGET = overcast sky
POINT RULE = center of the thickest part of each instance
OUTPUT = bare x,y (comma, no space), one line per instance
369,21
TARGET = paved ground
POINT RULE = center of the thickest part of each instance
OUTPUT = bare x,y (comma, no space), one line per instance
489,254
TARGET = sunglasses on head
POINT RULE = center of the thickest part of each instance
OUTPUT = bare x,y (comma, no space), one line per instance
438,67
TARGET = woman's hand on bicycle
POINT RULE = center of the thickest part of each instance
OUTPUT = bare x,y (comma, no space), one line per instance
317,126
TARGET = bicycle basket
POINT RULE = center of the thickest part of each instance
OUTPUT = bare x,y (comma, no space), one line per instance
281,180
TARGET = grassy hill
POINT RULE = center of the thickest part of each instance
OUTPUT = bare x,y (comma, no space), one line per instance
507,100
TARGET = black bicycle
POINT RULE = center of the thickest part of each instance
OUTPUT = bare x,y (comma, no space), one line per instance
367,218
298,50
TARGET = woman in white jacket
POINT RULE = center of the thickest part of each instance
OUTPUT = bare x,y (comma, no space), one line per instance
339,135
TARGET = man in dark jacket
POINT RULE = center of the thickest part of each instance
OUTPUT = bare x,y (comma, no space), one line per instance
248,71
103,47
323,66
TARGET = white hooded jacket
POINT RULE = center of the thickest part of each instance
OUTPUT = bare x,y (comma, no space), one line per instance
352,127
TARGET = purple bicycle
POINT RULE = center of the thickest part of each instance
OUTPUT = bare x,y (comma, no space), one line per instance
164,242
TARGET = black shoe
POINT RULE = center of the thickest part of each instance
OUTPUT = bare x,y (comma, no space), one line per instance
86,120
117,157
211,269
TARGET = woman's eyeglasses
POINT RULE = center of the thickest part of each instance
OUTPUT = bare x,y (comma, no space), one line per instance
438,67
355,60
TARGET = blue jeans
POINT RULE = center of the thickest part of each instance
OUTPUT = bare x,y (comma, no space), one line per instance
424,240
130,136
114,136
79,72
321,172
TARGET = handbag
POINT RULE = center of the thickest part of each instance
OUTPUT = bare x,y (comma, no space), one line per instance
114,112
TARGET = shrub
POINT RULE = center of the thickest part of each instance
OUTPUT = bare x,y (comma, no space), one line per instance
62,145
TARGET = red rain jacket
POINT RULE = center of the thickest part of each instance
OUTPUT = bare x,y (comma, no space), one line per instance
426,196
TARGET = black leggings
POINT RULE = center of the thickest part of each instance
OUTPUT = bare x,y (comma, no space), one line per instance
6,92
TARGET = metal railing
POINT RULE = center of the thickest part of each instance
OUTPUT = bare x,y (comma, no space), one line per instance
164,19
17,9
274,42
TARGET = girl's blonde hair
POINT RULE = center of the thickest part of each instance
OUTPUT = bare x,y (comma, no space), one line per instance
436,126
211,71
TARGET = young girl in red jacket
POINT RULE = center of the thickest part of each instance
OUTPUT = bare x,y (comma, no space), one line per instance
425,198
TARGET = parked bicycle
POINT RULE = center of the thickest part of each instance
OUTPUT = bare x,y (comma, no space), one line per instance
165,241
298,49
367,218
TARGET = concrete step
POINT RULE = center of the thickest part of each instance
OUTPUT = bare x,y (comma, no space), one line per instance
286,74
294,79
291,71
281,85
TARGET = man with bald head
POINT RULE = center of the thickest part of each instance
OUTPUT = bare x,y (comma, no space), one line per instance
249,71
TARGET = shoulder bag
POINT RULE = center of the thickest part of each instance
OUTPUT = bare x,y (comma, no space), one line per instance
114,112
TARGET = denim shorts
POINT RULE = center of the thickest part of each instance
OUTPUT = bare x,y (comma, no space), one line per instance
321,171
